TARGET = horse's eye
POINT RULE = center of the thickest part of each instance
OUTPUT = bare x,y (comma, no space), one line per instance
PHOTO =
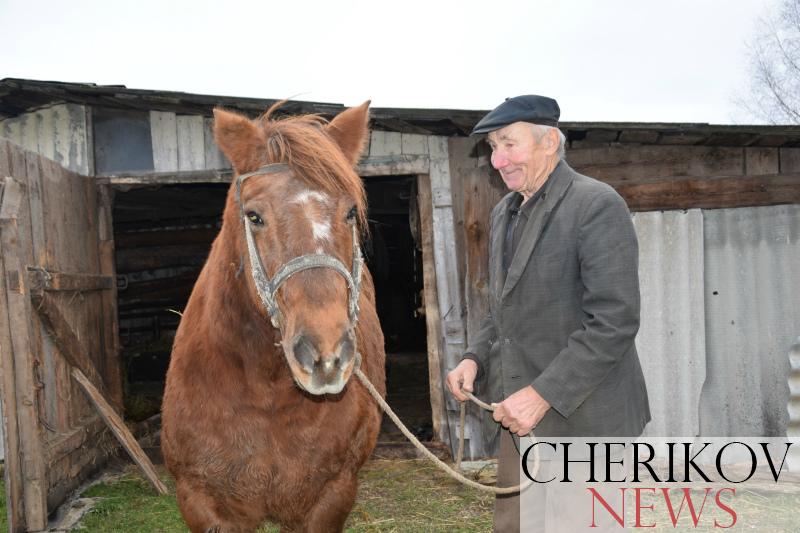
253,217
351,215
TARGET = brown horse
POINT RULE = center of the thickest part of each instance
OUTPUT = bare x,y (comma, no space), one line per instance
260,422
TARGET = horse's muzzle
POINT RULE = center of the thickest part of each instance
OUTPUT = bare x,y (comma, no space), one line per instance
320,371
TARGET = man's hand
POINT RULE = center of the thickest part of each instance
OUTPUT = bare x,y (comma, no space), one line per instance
521,411
462,377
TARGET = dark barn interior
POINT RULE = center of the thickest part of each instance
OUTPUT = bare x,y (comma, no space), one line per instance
162,237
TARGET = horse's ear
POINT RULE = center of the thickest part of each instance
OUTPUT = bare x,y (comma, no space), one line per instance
350,129
238,137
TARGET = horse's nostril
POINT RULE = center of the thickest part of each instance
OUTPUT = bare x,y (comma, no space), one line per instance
345,350
305,353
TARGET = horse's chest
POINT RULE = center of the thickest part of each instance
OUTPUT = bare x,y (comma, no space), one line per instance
274,455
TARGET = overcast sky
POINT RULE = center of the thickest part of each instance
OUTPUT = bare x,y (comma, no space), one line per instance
611,60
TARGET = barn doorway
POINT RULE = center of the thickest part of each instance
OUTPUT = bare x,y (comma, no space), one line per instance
394,256
162,238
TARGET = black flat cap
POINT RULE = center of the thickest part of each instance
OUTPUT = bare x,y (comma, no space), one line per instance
526,108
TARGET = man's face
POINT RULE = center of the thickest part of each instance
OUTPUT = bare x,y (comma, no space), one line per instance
520,156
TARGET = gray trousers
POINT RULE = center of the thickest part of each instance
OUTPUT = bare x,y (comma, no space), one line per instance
552,507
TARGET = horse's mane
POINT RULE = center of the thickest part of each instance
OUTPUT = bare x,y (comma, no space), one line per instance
302,143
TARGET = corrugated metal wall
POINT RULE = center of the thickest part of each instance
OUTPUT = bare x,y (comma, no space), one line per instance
671,340
720,310
752,295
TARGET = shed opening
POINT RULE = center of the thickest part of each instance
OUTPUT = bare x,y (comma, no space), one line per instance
162,237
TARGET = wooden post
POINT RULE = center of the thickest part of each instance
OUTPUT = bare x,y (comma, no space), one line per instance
31,470
432,317
447,280
110,343
14,494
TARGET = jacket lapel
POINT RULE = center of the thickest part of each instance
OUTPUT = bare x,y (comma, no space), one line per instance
561,179
499,225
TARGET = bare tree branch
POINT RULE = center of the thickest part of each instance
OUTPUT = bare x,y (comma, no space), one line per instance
775,67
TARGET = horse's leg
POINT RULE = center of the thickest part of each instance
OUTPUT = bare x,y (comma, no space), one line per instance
334,504
199,510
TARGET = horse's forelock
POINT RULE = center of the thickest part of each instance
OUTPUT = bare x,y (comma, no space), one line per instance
302,143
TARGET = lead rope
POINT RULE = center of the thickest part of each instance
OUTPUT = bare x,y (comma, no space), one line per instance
458,476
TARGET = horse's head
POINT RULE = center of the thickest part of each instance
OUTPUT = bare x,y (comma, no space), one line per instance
300,204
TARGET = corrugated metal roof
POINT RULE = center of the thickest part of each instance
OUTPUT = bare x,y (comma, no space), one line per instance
19,96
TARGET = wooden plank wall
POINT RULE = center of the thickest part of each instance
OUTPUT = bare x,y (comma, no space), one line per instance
58,230
384,144
61,132
658,177
184,142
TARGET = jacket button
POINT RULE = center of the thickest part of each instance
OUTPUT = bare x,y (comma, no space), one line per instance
506,341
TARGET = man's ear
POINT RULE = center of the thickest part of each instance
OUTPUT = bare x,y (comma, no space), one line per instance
551,139
350,129
238,137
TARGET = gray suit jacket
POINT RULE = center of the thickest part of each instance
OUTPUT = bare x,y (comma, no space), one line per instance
565,317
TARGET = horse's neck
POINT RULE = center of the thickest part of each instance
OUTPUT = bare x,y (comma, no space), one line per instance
237,328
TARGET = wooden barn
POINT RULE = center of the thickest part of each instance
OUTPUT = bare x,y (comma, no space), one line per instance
110,198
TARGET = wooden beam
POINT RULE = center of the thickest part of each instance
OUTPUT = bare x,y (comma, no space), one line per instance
154,257
712,193
432,316
119,429
394,165
166,178
375,166
42,280
65,338
448,283
28,508
14,493
164,237
109,328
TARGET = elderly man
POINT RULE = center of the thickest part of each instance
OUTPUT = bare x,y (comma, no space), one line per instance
563,297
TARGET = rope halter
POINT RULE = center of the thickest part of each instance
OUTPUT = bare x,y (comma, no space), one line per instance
267,288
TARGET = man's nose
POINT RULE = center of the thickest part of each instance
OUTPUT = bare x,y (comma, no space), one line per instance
499,160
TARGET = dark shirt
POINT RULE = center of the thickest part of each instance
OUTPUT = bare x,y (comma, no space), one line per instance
519,214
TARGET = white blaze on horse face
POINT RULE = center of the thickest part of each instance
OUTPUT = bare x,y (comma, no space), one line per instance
320,227
321,230
306,197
